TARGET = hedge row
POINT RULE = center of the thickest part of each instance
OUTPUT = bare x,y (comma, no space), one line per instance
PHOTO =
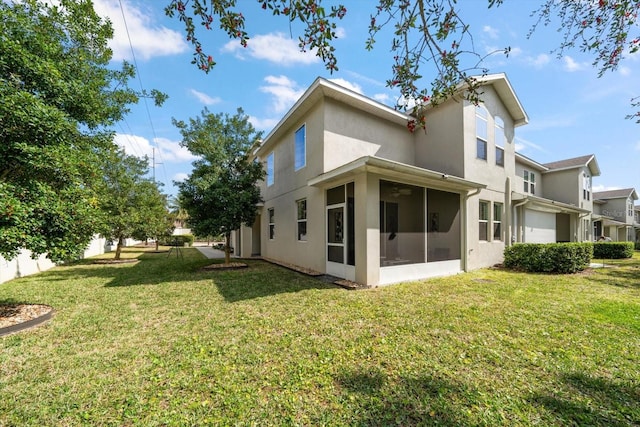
178,240
549,257
613,250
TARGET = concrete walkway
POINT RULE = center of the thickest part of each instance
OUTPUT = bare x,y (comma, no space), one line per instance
209,252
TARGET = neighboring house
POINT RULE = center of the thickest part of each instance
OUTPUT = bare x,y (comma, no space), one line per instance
350,192
636,221
614,214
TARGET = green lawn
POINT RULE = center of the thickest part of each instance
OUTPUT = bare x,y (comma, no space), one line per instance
160,342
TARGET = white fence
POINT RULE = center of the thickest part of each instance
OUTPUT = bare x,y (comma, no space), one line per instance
24,265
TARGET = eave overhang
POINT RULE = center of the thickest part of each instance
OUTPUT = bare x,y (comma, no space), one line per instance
546,205
390,169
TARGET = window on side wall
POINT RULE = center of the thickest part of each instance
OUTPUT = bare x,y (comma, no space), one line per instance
481,132
272,224
529,182
483,221
497,221
270,169
301,148
586,187
499,156
302,220
499,132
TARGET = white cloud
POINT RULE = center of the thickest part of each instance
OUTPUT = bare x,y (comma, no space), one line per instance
148,40
490,31
539,61
522,144
285,92
263,124
348,85
273,47
571,65
382,97
204,98
180,176
637,147
340,32
625,71
166,150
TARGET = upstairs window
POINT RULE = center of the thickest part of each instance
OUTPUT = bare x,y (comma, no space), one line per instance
481,132
529,182
301,148
586,187
499,132
499,156
630,207
302,220
270,169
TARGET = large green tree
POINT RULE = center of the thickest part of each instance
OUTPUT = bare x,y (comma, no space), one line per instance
57,96
130,203
432,49
221,193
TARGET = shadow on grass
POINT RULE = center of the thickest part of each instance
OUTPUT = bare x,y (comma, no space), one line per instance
622,276
424,400
594,402
262,279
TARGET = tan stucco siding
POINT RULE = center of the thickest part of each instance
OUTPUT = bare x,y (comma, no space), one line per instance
485,253
564,186
487,171
441,147
351,134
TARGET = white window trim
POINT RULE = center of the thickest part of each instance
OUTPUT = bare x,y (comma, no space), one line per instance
300,220
484,222
271,215
484,139
528,181
498,147
494,221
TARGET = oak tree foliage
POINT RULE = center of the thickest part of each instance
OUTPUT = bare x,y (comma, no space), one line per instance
221,193
58,95
433,53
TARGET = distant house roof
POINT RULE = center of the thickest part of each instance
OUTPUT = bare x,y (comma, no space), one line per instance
616,194
577,162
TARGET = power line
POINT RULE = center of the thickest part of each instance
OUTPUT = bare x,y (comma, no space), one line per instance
135,65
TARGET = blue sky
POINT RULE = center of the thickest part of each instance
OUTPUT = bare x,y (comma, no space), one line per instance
571,111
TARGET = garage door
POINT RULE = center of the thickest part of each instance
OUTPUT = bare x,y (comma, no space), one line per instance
540,227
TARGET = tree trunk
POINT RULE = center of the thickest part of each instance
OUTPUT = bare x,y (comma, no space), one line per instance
157,244
119,247
227,249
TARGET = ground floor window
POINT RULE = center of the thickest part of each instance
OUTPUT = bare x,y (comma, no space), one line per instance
483,221
272,224
302,220
497,221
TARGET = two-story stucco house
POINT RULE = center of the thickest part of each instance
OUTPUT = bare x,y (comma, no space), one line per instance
613,214
350,192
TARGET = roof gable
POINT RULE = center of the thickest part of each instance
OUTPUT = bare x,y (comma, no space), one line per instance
616,194
588,161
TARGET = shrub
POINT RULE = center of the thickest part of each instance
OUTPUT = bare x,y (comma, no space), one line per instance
178,240
549,257
613,250
637,246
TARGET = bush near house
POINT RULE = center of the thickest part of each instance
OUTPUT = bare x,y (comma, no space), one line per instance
178,240
613,250
561,258
637,245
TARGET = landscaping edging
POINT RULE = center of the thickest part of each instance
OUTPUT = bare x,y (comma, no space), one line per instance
31,323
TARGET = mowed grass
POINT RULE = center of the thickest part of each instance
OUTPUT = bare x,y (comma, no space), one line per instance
161,342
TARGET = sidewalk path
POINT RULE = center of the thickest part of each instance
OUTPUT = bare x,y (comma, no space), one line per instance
209,252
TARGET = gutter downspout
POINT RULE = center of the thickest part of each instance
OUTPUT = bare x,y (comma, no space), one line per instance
465,199
507,211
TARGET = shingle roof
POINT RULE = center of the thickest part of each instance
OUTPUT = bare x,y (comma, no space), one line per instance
613,194
568,163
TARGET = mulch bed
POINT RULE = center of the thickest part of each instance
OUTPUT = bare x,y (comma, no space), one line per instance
115,261
230,266
12,315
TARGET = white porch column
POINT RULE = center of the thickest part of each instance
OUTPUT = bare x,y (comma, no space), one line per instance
367,229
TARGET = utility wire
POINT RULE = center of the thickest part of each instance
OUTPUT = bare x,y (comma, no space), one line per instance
135,65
